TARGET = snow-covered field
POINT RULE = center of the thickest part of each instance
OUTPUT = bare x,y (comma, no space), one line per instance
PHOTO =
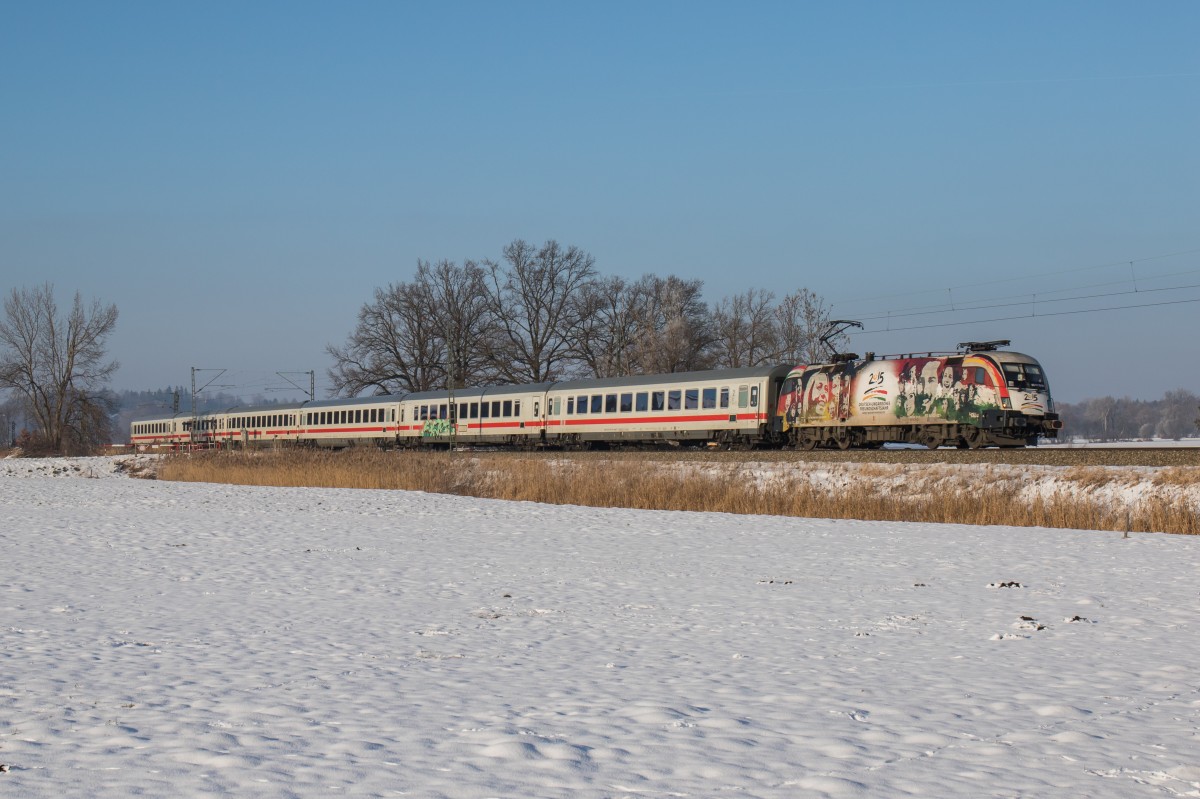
169,639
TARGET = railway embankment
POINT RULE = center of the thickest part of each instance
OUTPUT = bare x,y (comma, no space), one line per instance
1134,498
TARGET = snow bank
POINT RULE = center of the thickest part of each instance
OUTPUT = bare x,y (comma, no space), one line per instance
174,639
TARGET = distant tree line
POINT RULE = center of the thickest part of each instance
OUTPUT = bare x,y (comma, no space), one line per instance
545,313
1175,416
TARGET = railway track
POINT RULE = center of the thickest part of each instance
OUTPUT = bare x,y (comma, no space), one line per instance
1047,456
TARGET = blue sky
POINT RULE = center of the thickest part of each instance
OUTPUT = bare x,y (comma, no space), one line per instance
239,177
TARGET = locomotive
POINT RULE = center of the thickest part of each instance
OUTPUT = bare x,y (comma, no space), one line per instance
979,396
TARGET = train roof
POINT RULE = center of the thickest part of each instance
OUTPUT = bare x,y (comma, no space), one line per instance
342,402
282,406
730,375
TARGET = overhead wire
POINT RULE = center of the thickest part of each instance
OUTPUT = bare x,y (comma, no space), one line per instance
1025,277
1047,297
1027,316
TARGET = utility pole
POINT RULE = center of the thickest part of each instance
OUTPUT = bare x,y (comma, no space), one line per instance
196,392
453,414
312,382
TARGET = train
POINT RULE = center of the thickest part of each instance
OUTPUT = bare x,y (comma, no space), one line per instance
978,396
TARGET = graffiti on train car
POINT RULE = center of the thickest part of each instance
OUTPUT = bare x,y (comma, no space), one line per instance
436,427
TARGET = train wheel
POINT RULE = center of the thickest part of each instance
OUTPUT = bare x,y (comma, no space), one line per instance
931,440
807,441
843,443
972,438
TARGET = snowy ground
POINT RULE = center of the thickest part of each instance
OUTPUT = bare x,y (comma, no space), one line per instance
175,639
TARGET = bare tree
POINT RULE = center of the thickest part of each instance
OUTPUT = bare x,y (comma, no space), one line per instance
536,302
607,336
394,349
675,331
57,366
744,330
1176,421
462,317
801,318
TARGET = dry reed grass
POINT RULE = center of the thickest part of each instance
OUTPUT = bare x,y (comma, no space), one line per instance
1178,476
982,500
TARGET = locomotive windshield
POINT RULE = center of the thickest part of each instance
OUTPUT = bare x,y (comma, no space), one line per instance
1024,375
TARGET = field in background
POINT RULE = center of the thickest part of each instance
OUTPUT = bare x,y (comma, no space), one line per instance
1090,497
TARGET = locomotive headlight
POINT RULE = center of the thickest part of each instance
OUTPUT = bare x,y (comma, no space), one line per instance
1006,403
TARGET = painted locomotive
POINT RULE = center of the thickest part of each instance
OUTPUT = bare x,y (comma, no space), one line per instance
975,398
978,397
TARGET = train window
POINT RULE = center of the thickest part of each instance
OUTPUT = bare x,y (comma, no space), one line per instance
691,399
444,412
597,403
571,405
462,410
725,397
484,409
474,410
517,408
508,409
610,403
626,403
656,401
556,408
753,396
709,398
581,404
495,408
643,402
358,416
743,396
673,397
